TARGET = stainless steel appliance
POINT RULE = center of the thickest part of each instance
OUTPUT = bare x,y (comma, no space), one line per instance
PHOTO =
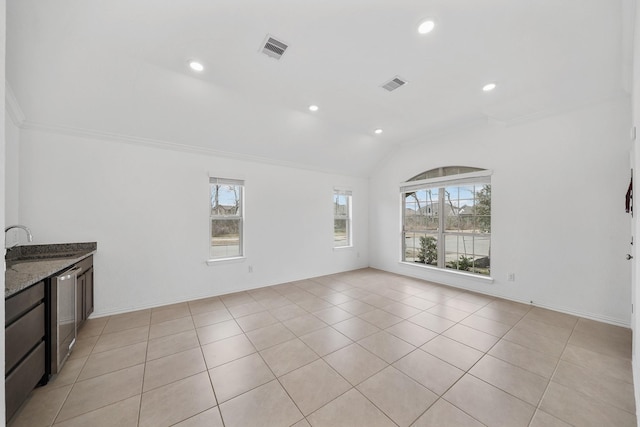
63,317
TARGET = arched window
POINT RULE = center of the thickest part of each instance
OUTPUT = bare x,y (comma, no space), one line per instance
446,219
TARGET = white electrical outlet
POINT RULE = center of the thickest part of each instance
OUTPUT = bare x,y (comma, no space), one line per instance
511,277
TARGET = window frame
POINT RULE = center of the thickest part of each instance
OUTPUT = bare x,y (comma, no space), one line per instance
238,216
478,177
348,216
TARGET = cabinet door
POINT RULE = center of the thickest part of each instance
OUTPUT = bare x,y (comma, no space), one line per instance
80,314
23,335
88,293
19,383
19,304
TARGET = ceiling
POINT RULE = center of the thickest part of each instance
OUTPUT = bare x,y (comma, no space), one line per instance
120,67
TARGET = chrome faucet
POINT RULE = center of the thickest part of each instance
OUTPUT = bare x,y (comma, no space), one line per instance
26,229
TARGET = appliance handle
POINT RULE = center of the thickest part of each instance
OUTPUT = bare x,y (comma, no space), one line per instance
70,273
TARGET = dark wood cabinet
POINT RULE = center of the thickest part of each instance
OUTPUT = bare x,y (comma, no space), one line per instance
84,291
25,345
88,293
29,327
80,286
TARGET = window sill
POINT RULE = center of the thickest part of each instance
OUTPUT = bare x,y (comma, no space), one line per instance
342,248
211,262
450,272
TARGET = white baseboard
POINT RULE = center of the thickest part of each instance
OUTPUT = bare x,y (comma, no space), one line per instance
490,292
586,315
636,383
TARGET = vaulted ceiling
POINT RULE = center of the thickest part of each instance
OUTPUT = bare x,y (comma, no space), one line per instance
120,67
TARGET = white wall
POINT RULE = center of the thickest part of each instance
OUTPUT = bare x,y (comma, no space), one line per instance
636,179
12,135
148,210
557,203
3,26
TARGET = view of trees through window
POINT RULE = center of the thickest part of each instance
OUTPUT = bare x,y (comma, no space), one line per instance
449,226
341,218
226,220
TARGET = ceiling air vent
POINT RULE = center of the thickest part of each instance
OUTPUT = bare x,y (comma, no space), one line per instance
273,48
394,83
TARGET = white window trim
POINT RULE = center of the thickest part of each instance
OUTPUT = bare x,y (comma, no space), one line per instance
347,192
449,272
438,182
443,181
232,259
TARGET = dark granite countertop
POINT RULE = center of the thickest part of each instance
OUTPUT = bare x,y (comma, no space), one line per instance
27,265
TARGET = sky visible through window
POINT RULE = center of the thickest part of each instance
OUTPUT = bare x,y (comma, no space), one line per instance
460,196
226,195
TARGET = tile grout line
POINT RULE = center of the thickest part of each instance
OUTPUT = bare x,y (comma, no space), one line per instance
376,288
75,381
144,370
215,396
76,378
275,377
331,367
419,348
544,393
468,370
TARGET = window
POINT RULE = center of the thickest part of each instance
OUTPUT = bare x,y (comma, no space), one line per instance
342,218
226,197
446,219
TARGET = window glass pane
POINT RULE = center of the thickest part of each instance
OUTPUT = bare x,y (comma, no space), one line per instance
468,253
340,205
451,223
226,214
460,202
451,208
340,232
483,208
446,171
225,238
410,246
465,212
430,208
341,218
482,224
456,170
225,200
482,255
422,248
433,173
458,252
421,210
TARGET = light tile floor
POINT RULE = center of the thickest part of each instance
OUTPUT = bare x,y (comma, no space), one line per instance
363,348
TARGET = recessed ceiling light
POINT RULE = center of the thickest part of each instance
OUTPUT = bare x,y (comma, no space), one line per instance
196,66
489,87
377,131
313,108
426,27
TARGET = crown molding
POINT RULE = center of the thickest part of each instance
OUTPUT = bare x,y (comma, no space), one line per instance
167,145
13,107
